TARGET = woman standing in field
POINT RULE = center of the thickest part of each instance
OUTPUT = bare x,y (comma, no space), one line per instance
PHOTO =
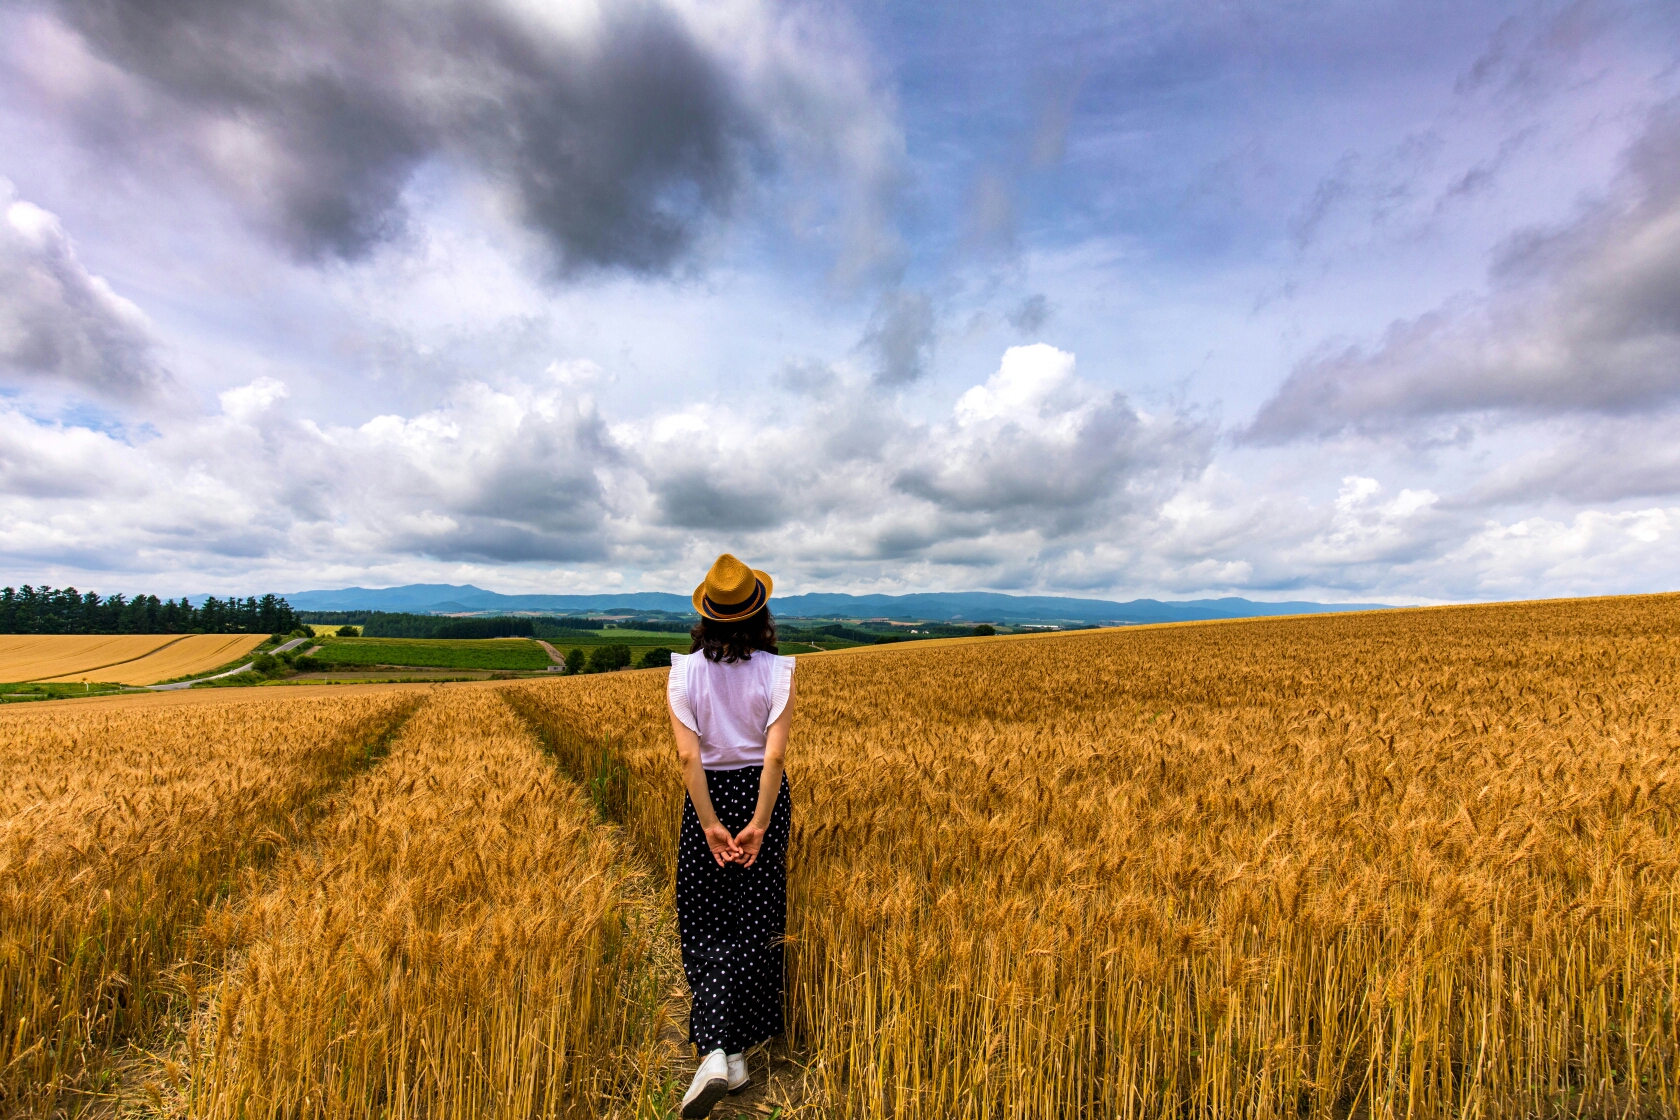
731,703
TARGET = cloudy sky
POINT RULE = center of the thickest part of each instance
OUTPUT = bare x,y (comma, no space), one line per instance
1351,301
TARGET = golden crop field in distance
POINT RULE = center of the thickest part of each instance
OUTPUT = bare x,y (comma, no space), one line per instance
195,653
134,659
1395,864
31,657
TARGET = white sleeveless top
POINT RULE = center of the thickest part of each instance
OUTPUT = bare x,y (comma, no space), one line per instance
729,706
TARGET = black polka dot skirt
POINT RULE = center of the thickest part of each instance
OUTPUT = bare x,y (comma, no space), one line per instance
733,918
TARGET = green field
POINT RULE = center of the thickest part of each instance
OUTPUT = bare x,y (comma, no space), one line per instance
635,639
437,653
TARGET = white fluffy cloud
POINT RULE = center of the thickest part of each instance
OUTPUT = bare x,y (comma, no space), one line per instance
1024,466
1592,552
1032,461
1036,447
1033,478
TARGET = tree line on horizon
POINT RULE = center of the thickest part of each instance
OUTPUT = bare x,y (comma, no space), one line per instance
64,610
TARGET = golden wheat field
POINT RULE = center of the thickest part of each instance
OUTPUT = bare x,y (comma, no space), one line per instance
196,653
1398,864
119,827
1403,864
29,657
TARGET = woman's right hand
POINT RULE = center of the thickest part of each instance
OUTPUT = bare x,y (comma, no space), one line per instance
748,842
722,844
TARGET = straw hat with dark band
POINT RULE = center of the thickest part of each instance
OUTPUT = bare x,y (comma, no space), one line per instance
732,591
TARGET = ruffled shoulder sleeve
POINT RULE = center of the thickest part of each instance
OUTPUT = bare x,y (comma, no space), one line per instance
676,691
781,680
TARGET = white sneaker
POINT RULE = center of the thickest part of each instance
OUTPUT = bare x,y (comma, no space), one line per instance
711,1082
738,1077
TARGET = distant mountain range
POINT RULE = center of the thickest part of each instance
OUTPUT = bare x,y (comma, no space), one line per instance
970,606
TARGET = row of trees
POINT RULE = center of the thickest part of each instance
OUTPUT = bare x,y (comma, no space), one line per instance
64,610
605,659
403,624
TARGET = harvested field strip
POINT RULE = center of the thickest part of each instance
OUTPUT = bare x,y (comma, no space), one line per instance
196,653
1412,863
118,828
453,940
30,657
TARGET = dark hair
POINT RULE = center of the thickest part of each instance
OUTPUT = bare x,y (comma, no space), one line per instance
734,641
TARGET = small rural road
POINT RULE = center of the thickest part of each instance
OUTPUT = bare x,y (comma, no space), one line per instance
554,655
293,644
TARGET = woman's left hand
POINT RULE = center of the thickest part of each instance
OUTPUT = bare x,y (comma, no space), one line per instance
747,842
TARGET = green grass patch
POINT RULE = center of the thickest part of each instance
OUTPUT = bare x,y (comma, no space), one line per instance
436,653
237,680
26,692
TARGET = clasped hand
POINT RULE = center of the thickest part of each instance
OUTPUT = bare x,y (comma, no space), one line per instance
741,848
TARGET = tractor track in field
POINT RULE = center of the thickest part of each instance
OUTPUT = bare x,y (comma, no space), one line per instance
124,661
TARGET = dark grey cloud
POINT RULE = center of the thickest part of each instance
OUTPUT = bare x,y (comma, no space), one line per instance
501,542
698,499
900,337
1030,314
1583,318
58,322
542,474
618,143
904,542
